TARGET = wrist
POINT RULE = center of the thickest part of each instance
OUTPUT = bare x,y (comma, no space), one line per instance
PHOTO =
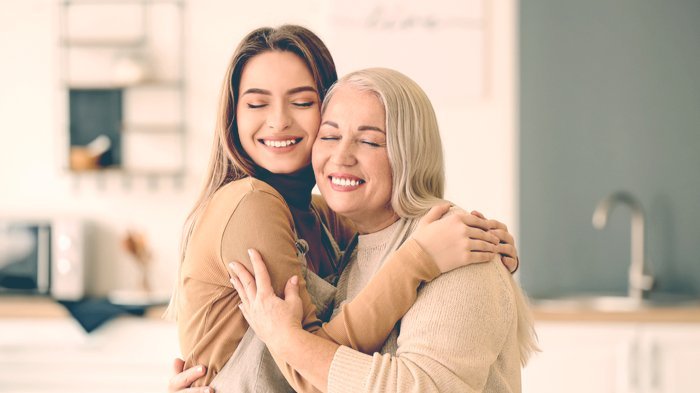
285,339
416,256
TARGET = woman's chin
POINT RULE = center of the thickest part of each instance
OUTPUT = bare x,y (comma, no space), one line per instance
281,168
341,207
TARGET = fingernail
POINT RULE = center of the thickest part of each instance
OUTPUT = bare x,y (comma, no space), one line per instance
231,265
250,252
233,282
206,390
200,369
295,280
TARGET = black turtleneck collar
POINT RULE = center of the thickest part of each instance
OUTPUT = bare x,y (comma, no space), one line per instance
295,187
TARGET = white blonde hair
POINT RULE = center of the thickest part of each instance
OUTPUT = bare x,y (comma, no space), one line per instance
413,138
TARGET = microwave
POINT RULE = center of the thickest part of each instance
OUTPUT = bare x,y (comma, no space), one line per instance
43,258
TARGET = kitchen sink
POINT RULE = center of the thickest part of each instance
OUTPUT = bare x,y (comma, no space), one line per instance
595,302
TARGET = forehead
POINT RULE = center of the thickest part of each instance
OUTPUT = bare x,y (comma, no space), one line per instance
271,69
352,104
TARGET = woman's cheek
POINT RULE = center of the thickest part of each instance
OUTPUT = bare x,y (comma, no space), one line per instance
313,123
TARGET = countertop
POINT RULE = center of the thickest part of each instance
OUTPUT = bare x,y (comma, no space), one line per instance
42,307
653,315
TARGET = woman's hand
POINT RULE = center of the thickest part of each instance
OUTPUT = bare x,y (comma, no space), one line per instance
506,248
457,239
267,314
182,380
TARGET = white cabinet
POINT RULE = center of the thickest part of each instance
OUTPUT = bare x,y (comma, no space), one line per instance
615,358
673,358
56,355
581,358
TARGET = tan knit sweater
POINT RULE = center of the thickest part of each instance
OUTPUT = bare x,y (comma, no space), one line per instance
461,335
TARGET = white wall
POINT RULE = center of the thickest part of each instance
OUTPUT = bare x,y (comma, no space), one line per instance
479,137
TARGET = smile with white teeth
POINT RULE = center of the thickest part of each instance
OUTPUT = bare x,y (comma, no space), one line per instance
339,181
286,143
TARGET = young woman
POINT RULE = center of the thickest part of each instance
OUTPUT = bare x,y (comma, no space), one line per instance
468,331
258,195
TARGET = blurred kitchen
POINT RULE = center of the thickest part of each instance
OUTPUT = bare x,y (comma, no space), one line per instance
550,111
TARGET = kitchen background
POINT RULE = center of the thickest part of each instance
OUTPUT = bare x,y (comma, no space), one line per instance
609,99
545,108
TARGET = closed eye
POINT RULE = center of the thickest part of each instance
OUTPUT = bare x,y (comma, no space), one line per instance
304,104
256,106
329,138
373,144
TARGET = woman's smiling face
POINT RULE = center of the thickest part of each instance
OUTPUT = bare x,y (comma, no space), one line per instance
277,111
350,159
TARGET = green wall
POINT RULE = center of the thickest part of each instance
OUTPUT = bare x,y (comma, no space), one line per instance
609,100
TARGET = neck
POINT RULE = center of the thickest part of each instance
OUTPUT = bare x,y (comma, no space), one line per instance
374,223
294,187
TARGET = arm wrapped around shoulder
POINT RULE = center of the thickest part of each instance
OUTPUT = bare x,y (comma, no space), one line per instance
461,335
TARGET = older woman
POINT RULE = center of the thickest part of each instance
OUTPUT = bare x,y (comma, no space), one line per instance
378,162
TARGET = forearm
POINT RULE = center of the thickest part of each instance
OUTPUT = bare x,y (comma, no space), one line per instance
304,359
365,322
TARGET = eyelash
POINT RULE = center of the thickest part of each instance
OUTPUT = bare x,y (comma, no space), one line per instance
297,104
336,138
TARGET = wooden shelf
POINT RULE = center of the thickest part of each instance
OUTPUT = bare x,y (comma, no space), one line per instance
153,128
152,84
127,172
103,43
119,2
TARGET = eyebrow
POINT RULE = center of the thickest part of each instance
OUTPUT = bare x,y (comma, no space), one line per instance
370,128
289,92
360,128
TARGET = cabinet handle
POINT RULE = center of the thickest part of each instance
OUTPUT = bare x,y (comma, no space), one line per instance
655,363
633,373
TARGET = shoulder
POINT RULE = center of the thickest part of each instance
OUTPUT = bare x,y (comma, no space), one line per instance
470,307
477,289
239,189
258,217
248,194
241,204
455,209
489,278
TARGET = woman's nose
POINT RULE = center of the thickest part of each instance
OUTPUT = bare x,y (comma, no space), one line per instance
343,154
279,119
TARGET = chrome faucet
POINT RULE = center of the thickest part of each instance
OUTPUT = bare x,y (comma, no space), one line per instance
639,281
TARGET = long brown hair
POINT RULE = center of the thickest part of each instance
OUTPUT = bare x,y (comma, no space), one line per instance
228,160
